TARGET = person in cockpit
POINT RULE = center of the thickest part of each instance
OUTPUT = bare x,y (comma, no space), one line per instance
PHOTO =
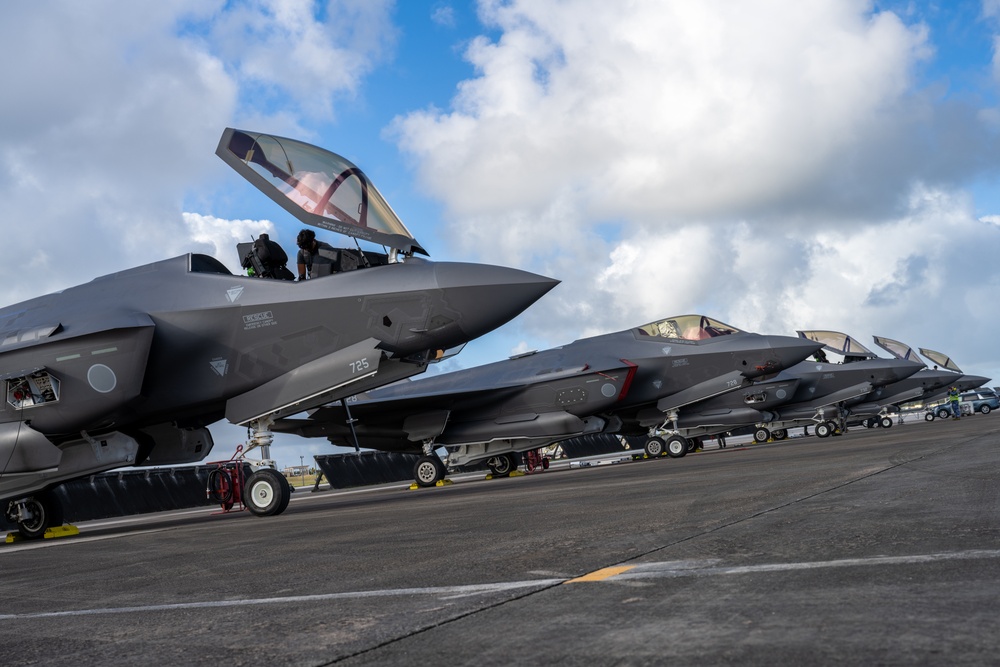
312,263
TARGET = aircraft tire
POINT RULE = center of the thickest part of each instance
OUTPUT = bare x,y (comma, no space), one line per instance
428,471
655,447
503,464
266,492
824,430
929,417
47,513
779,434
886,422
761,435
677,446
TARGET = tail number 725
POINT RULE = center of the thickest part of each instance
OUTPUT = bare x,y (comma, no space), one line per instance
360,365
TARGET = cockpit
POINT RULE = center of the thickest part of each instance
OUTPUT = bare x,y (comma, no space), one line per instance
840,343
940,359
319,187
687,327
898,350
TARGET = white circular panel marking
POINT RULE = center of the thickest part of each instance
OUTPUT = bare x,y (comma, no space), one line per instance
101,378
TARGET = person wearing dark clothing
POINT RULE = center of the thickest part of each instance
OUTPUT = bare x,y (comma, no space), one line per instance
312,262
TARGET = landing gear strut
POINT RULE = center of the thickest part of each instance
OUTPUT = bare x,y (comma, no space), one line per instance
429,469
675,446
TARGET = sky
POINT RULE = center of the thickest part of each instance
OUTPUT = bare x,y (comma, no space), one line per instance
776,164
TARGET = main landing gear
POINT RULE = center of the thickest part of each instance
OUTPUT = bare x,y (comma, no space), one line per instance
35,514
674,446
877,422
502,465
828,428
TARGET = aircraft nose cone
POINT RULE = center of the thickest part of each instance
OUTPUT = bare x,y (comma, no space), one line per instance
488,296
900,369
790,350
973,381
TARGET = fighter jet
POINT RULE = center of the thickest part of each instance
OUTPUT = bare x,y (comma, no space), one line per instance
826,391
956,378
636,378
130,368
876,408
962,381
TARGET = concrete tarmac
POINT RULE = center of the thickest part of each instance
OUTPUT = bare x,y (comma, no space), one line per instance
879,547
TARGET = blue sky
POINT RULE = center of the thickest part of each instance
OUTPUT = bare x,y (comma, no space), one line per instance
776,164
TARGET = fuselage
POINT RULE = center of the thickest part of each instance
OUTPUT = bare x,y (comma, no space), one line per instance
174,340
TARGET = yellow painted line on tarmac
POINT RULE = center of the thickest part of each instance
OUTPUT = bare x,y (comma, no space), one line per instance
602,574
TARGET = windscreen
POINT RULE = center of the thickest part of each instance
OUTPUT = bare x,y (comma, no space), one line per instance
318,187
942,360
838,342
897,349
687,327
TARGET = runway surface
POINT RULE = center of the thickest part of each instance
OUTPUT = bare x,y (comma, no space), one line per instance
877,547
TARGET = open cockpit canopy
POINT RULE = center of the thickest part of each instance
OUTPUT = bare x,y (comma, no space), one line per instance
897,349
840,343
942,360
687,327
320,188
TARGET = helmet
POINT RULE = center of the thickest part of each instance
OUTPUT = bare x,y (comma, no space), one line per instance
305,238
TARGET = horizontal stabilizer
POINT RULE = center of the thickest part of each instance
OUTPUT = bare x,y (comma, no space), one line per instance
309,382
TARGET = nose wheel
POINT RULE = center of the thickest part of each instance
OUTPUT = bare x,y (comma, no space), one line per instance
428,471
266,492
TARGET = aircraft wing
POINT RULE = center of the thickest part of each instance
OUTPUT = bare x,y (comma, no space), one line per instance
846,394
699,392
310,383
896,399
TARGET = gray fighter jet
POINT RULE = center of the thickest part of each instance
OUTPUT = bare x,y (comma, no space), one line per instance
958,379
877,408
961,380
825,391
641,376
130,368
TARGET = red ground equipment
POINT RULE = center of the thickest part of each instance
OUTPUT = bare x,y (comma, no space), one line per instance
226,482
